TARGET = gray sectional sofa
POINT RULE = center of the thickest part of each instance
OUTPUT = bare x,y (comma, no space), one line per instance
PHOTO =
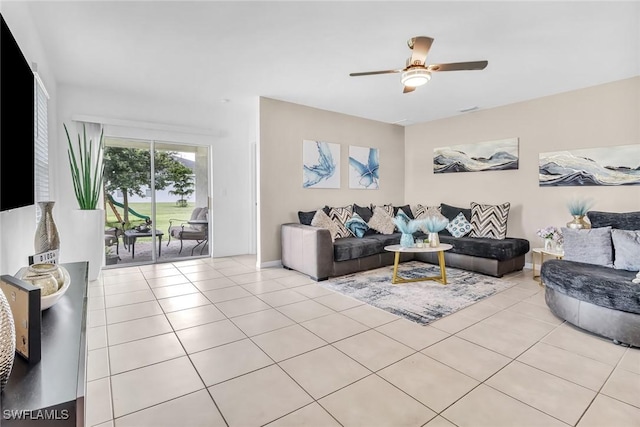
311,251
598,298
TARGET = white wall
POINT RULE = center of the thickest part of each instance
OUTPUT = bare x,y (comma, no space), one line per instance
283,127
135,118
601,116
18,226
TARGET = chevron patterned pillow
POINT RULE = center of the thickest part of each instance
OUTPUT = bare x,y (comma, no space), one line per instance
340,216
489,220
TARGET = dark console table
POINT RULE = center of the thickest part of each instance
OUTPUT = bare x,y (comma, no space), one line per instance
51,392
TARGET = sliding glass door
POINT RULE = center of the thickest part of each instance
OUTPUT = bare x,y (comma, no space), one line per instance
157,220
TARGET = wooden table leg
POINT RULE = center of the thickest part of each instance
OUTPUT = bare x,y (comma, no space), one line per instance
443,270
395,269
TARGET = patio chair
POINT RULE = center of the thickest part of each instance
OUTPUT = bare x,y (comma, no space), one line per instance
196,228
112,237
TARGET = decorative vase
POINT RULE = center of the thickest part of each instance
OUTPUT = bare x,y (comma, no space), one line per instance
578,222
46,238
548,245
434,240
7,340
406,241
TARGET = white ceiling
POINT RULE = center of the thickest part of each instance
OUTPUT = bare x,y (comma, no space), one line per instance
303,51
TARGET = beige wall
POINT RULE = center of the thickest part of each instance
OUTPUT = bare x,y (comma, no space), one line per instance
600,116
283,127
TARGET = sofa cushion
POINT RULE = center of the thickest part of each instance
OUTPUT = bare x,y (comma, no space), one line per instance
459,227
626,246
482,247
385,240
603,286
340,216
387,208
365,212
489,220
305,218
322,220
406,209
591,245
353,248
381,221
620,221
357,226
450,212
422,212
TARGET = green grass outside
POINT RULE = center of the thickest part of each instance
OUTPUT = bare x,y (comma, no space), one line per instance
164,212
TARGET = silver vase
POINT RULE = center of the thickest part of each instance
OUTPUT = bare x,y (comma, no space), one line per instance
7,340
434,240
578,222
46,238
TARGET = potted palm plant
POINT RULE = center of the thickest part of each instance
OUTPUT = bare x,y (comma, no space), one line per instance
86,164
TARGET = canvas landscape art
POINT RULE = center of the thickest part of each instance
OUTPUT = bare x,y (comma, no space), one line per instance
482,156
592,166
364,167
320,164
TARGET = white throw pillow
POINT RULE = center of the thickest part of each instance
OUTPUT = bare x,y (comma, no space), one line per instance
381,221
322,220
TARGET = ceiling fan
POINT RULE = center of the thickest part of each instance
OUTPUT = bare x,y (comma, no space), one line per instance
417,72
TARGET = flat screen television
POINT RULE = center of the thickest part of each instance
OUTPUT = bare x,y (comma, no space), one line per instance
16,124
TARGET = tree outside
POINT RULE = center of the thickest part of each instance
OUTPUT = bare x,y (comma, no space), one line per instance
128,170
183,185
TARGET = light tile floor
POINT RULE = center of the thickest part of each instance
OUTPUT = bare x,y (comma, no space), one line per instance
216,342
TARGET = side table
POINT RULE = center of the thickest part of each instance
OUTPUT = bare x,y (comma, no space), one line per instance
541,252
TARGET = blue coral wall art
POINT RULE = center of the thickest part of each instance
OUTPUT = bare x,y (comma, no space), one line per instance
320,164
364,168
618,165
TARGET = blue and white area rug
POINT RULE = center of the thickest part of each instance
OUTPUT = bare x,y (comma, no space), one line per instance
422,302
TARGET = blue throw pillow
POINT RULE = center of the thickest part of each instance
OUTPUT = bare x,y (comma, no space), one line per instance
356,225
459,226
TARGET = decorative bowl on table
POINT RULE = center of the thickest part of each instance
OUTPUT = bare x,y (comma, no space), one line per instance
52,279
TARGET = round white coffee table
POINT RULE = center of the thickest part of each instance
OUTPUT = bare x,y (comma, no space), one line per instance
439,249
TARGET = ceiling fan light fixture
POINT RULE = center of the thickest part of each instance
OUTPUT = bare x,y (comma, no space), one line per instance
415,77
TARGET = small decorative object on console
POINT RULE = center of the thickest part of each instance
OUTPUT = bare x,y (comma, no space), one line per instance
52,279
46,238
7,340
24,300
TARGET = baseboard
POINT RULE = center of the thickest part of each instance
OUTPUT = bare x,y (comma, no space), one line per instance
271,264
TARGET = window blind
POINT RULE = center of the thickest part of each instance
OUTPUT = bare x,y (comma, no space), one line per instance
41,141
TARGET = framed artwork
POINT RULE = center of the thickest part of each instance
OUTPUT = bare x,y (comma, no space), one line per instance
364,165
619,165
478,157
24,300
320,164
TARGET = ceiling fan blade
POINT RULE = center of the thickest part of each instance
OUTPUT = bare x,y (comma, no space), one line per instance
420,46
408,89
458,66
371,73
